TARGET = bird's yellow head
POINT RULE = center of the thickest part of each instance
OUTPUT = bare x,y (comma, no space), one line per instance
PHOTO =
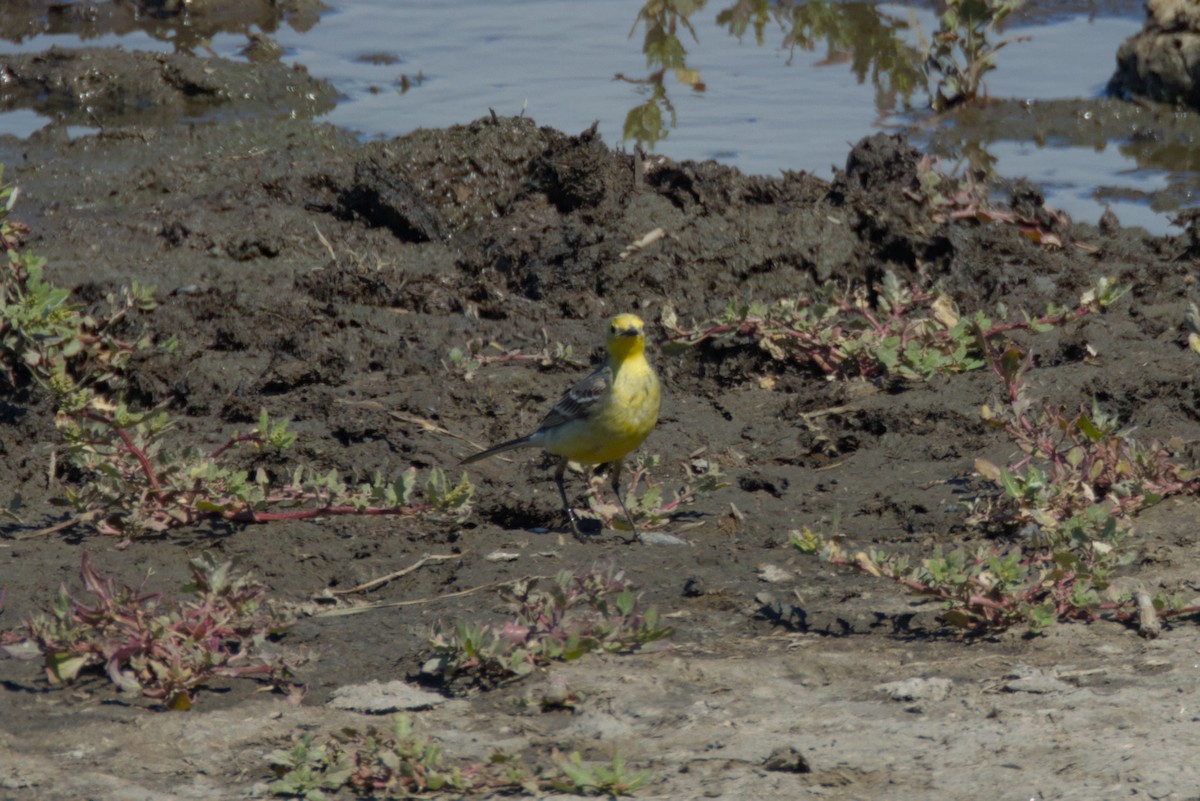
626,336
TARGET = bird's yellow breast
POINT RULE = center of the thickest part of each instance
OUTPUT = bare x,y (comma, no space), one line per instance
619,425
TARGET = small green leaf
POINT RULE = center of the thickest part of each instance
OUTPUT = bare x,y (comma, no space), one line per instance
64,668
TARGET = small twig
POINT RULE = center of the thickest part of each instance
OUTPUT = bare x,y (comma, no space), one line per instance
424,423
642,243
325,242
63,526
846,407
1149,624
379,582
417,601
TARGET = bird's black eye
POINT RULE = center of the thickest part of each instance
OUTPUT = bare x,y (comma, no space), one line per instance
613,328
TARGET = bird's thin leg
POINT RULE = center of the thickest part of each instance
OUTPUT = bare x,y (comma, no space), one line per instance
616,485
562,493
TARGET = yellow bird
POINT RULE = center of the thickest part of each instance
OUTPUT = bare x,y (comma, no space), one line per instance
603,417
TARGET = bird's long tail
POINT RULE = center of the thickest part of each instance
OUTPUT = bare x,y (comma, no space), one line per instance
511,445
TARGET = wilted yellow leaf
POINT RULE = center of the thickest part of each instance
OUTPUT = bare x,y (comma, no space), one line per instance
690,77
102,404
944,311
986,469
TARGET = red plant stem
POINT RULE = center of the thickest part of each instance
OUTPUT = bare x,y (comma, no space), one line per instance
1187,610
121,345
745,327
240,438
695,338
1078,313
134,451
822,364
880,329
516,356
988,603
251,516
670,507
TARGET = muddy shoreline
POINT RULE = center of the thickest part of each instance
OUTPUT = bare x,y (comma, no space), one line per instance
328,281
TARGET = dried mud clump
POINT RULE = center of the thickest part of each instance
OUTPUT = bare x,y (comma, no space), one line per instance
100,86
1162,62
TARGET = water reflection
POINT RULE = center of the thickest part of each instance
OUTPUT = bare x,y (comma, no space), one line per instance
1070,140
964,49
558,58
873,42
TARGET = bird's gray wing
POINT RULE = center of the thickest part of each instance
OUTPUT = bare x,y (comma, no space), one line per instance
580,400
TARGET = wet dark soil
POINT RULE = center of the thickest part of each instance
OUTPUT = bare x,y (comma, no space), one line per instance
327,281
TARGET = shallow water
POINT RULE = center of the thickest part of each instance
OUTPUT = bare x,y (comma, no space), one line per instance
1073,57
764,108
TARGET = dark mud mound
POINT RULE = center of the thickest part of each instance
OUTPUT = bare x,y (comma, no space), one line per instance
294,275
186,25
103,87
1162,61
546,218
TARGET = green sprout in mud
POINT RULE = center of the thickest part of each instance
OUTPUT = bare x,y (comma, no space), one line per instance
1073,460
987,590
398,763
579,778
646,505
910,331
46,339
373,764
306,771
963,50
961,193
140,486
1064,508
129,480
163,648
577,613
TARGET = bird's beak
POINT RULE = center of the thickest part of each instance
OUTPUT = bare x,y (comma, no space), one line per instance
629,332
